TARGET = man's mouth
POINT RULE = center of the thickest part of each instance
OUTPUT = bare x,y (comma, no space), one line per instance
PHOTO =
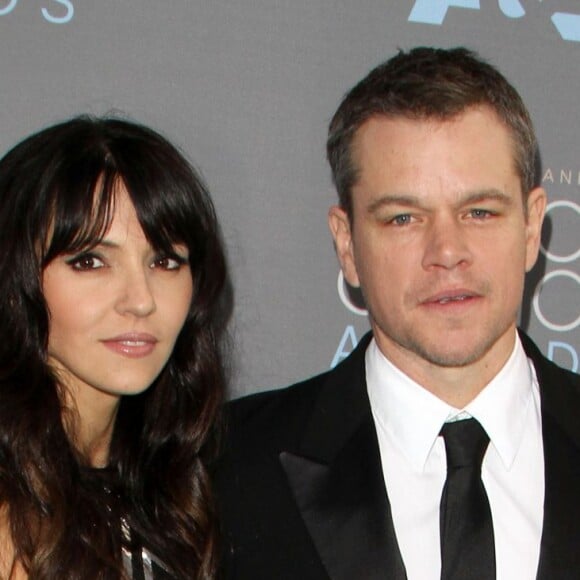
459,298
450,297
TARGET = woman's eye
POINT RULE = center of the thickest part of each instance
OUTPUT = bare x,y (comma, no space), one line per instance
85,262
169,262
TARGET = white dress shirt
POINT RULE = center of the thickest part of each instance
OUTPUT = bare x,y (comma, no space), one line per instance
408,419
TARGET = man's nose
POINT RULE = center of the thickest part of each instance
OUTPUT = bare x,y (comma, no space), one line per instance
446,245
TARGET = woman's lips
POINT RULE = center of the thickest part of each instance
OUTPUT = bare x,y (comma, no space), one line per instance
131,345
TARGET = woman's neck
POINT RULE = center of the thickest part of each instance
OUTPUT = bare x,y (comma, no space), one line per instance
94,441
90,423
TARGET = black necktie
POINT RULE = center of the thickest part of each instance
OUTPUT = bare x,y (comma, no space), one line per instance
467,548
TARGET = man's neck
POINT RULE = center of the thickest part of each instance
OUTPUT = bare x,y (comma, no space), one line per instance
455,385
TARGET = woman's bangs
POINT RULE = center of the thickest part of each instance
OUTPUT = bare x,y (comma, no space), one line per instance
165,219
82,215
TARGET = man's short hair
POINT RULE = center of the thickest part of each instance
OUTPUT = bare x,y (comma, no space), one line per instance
429,83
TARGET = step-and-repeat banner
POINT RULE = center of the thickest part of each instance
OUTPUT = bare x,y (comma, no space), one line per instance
246,88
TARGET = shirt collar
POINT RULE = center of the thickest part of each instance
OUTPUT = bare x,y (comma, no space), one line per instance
502,406
413,417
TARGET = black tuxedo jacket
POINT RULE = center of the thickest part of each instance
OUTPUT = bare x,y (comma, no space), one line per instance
301,492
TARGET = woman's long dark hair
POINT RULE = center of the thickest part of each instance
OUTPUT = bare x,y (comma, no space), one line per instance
56,196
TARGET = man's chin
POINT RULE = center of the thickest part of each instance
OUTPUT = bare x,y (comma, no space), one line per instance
452,359
449,352
456,351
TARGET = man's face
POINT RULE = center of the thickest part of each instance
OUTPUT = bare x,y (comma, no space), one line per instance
439,240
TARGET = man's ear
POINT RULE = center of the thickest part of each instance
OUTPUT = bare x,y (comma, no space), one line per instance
536,208
340,228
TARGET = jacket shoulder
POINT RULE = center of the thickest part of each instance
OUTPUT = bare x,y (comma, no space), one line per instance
559,390
550,375
299,399
275,413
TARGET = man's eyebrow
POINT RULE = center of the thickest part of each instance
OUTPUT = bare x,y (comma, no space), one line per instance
487,195
412,201
387,200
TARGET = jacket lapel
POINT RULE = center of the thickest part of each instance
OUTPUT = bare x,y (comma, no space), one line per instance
560,401
337,481
560,546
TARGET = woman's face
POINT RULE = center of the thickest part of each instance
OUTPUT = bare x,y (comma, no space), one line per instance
115,312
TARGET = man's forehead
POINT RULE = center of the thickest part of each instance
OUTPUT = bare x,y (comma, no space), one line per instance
467,153
400,135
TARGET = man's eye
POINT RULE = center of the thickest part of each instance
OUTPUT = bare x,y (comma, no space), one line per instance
480,213
401,220
85,262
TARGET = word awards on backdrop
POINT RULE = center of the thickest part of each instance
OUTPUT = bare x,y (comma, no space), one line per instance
564,273
434,12
54,11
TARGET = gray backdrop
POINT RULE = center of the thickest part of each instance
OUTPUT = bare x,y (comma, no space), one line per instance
246,88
